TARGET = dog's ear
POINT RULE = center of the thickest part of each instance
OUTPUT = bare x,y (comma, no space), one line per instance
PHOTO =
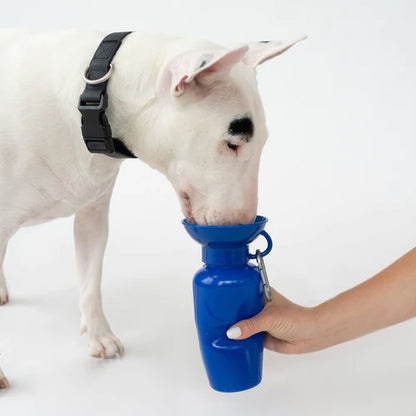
260,52
184,68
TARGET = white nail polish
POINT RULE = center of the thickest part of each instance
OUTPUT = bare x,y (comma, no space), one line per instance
234,332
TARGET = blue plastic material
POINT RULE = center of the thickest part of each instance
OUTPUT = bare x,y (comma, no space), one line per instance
226,290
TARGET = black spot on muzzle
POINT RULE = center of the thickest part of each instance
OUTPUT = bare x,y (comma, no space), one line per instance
243,127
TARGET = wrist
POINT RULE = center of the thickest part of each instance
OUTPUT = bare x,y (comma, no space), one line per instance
324,326
338,320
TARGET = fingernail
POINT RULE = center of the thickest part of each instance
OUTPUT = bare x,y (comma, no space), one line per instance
234,332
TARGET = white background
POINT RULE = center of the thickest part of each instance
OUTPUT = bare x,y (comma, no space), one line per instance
337,180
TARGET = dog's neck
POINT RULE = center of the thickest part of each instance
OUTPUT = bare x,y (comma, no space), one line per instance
134,115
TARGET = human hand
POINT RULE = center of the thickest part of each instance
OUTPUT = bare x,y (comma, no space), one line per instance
290,328
383,300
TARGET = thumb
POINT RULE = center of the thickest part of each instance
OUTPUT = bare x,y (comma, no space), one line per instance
248,327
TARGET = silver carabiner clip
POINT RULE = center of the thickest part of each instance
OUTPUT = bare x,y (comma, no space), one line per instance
263,275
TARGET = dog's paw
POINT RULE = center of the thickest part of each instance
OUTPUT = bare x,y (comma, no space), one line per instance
4,384
4,296
105,345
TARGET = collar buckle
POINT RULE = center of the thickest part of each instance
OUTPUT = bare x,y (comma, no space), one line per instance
95,127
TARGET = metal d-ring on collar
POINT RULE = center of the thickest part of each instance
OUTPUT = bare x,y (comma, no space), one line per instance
104,78
96,130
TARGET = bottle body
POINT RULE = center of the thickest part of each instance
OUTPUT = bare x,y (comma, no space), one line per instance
222,297
226,290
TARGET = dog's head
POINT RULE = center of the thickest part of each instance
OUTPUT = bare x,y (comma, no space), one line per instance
212,129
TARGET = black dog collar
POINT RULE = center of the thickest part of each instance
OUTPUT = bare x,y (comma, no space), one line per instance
96,129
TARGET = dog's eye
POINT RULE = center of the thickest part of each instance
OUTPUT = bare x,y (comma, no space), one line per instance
232,146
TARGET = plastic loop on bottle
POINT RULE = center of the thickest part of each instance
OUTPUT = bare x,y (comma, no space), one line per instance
269,246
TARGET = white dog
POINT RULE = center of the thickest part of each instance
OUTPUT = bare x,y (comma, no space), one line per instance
188,108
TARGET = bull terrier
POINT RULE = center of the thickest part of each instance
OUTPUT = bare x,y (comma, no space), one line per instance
189,108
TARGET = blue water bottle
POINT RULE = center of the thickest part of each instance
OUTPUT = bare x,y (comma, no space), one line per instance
227,289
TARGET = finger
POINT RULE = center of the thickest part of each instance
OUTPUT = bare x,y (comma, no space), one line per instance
249,327
274,344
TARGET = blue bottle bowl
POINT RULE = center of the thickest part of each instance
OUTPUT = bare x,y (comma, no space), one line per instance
226,290
226,235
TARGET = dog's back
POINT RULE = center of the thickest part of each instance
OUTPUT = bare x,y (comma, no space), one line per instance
44,168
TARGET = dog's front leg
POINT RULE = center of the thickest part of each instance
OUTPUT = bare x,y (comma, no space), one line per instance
91,231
